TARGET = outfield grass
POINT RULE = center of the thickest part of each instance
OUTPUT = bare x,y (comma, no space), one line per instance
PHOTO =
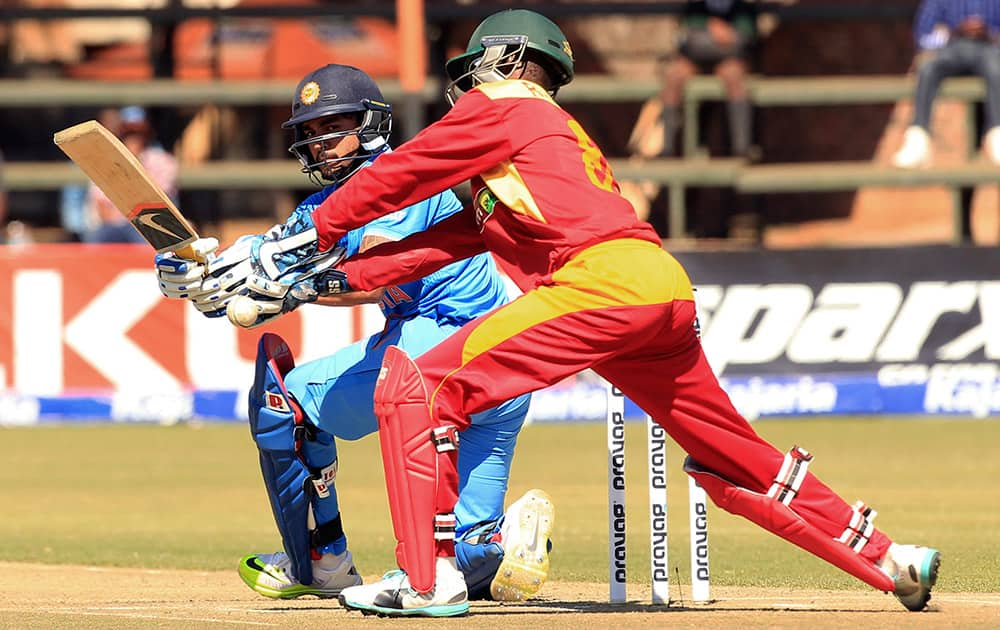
191,497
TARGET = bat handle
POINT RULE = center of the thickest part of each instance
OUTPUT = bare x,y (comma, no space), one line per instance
198,250
189,253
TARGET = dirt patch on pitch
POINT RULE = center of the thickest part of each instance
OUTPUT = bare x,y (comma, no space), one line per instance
47,596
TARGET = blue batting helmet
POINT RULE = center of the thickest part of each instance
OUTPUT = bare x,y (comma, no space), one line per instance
338,89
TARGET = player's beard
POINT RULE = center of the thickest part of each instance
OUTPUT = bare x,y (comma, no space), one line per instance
345,162
334,170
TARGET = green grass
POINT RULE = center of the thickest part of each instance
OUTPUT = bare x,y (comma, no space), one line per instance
190,496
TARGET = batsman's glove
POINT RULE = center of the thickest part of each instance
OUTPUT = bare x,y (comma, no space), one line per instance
305,283
289,256
176,275
209,286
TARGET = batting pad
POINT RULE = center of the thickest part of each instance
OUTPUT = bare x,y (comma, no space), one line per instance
411,463
780,519
272,425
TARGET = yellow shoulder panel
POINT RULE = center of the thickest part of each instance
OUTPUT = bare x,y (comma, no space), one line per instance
514,88
507,184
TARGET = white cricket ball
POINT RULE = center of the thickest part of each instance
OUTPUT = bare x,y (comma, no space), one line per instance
242,311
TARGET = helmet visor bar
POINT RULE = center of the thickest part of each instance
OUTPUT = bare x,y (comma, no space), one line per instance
372,134
501,54
303,151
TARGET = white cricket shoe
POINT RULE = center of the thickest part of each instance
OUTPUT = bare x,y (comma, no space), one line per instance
916,149
270,575
524,536
914,570
991,144
393,597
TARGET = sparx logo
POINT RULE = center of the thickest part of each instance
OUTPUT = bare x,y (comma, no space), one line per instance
850,323
485,202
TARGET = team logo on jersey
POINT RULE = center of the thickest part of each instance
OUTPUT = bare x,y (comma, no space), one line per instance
309,93
485,201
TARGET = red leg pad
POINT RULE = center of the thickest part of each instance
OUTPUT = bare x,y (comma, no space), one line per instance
410,460
781,520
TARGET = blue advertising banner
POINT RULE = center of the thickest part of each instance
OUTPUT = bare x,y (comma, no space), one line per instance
896,330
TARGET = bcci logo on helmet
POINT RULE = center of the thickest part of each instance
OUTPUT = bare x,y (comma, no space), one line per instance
309,93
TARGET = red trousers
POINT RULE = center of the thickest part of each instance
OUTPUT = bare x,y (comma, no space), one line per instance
624,308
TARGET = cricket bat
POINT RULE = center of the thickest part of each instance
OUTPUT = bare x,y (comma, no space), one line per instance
120,175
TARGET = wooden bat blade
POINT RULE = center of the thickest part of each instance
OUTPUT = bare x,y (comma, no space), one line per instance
120,176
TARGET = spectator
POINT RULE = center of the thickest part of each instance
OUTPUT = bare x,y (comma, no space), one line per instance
716,36
953,37
137,135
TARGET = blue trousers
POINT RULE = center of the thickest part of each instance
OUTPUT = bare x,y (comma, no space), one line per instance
336,394
959,57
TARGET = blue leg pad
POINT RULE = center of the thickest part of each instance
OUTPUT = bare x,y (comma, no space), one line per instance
273,424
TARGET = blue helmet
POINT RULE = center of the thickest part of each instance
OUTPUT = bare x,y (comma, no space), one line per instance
337,89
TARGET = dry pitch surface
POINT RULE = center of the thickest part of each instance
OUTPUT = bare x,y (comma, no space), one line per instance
51,596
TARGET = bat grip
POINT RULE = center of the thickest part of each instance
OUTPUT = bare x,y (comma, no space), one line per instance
198,250
189,253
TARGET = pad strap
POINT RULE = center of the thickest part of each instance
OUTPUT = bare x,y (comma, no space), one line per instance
859,530
330,533
445,438
791,475
444,526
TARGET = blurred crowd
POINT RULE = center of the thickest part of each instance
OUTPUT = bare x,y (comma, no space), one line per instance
953,38
86,212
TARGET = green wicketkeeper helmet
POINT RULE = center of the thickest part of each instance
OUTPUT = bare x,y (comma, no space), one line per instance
499,43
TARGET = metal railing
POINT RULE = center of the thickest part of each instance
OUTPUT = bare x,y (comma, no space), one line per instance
693,170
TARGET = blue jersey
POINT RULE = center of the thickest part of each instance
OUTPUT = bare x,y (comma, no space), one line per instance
455,294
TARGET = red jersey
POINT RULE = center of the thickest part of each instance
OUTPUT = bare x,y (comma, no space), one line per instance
542,190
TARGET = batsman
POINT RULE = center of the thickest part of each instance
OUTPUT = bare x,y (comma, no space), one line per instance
599,291
341,126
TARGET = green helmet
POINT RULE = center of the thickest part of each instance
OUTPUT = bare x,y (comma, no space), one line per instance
500,41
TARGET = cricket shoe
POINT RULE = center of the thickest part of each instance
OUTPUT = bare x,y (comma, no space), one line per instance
914,570
393,597
270,574
525,538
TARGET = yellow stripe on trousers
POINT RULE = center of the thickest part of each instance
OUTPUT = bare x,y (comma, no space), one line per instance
623,272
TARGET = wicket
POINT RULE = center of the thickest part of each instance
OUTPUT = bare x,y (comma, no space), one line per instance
659,567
